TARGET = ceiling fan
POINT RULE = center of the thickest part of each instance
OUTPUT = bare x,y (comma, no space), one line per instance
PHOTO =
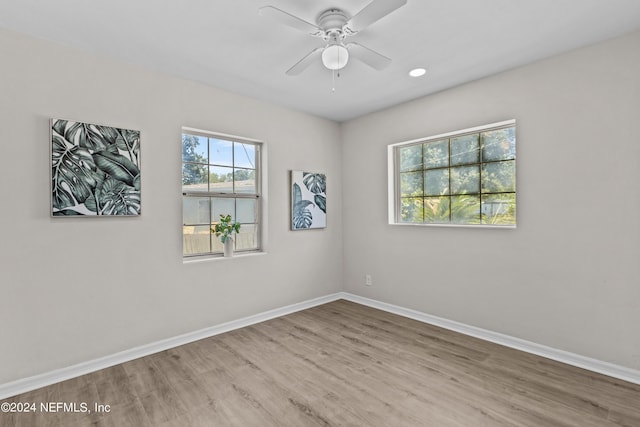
333,26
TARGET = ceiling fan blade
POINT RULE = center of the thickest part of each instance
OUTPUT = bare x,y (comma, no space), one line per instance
301,65
372,12
290,20
370,57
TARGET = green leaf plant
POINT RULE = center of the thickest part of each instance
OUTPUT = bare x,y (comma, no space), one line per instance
225,228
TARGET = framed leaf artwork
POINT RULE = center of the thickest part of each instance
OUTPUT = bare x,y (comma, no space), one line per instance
95,170
308,200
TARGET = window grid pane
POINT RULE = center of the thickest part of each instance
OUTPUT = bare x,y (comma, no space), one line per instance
196,240
411,158
436,154
464,150
476,169
219,177
411,184
412,209
437,210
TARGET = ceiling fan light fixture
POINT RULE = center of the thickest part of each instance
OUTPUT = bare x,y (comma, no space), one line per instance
335,56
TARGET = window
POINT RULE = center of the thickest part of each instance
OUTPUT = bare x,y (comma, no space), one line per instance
461,178
220,176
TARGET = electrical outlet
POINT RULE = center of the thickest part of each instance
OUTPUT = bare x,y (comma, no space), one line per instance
367,280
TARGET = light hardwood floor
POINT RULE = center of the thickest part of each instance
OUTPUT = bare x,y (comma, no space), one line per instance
340,364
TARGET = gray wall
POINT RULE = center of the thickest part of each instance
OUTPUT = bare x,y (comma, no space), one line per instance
77,289
569,275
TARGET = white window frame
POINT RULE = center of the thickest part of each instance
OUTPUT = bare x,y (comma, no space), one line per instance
260,195
393,174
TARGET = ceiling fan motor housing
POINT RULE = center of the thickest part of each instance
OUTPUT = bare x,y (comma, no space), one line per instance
332,22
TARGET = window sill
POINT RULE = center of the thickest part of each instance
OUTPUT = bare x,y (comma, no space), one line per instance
412,224
207,258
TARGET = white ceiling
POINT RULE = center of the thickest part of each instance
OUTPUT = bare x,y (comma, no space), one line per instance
225,43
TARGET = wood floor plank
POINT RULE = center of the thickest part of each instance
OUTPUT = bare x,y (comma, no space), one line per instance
339,364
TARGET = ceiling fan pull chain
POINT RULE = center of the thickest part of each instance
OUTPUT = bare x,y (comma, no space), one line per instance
333,82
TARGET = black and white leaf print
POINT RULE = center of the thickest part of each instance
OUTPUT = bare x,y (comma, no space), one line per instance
301,216
72,173
118,198
116,166
321,202
95,169
309,200
315,182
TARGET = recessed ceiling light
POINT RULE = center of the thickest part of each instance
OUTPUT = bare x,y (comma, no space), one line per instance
417,72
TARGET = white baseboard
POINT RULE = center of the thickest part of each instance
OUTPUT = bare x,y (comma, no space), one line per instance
37,381
606,368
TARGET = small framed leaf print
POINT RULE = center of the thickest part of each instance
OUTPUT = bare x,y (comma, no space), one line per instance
308,200
95,170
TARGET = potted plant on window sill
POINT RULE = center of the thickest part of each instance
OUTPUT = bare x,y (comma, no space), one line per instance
225,229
